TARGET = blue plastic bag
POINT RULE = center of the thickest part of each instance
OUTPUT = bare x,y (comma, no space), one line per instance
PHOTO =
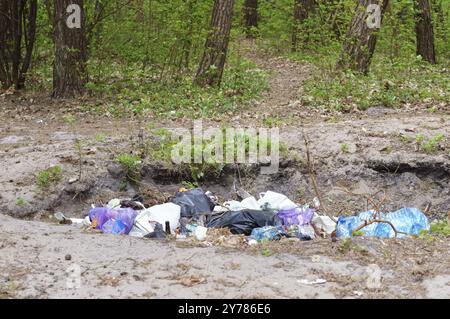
268,233
407,220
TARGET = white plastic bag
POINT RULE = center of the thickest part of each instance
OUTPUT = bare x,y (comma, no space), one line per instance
247,203
168,212
275,201
324,223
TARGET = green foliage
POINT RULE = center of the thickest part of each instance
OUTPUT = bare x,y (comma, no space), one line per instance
21,202
345,245
432,145
131,165
389,84
344,148
440,228
49,176
100,137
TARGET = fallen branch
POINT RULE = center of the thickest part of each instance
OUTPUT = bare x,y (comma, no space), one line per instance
367,223
312,175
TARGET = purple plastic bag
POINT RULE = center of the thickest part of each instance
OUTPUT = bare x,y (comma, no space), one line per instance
114,221
296,216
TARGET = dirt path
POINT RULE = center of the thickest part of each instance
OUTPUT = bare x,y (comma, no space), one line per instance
285,80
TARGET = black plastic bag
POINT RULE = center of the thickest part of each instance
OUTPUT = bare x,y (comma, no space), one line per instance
243,221
193,203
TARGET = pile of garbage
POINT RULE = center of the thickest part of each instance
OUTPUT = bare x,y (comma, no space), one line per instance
194,213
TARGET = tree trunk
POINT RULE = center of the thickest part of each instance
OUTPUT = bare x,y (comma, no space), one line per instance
424,31
361,37
139,7
302,8
212,64
17,37
69,69
250,11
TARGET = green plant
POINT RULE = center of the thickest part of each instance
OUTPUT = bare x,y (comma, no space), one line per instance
432,144
441,227
189,185
69,119
131,165
265,252
48,176
21,202
345,245
344,148
100,137
272,121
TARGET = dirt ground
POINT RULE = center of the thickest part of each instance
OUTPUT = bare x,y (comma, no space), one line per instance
380,154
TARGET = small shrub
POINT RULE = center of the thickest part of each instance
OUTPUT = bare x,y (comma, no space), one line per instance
48,176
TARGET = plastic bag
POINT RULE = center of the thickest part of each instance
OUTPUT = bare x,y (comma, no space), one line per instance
296,216
275,201
268,233
114,221
244,221
193,203
407,220
302,232
161,214
247,203
323,223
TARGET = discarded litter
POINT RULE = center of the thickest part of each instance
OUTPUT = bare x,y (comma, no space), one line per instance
114,221
324,224
199,216
406,221
318,281
275,201
158,232
243,221
168,212
268,233
193,202
296,216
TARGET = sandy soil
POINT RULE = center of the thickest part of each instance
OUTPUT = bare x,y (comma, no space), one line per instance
34,253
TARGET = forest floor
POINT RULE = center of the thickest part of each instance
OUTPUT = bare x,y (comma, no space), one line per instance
361,151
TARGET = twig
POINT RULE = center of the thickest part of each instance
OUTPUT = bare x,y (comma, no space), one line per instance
312,175
367,223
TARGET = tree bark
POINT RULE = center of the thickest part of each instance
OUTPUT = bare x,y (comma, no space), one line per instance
361,38
17,37
250,12
424,31
302,8
211,67
69,69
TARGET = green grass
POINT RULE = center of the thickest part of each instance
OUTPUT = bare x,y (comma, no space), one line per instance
389,84
431,145
49,176
137,92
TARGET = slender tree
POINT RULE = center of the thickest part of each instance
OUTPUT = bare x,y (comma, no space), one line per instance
69,70
17,37
361,37
424,31
302,9
250,11
212,64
